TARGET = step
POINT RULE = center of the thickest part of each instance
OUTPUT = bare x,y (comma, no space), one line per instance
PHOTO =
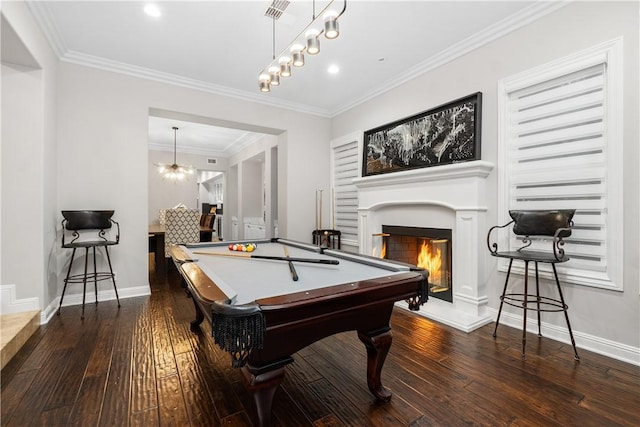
15,330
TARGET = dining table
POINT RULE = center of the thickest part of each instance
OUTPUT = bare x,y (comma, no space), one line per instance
156,245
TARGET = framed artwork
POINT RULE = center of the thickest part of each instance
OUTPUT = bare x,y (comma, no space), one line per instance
446,134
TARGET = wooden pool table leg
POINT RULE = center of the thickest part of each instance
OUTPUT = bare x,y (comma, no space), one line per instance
262,385
377,344
195,324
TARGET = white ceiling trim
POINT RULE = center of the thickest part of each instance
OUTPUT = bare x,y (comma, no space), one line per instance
485,36
507,25
44,17
188,150
231,150
45,20
159,76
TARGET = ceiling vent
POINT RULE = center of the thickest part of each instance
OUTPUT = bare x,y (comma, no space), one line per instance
212,161
276,8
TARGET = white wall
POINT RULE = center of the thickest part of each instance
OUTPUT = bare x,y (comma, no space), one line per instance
29,185
250,164
252,181
594,312
22,183
103,125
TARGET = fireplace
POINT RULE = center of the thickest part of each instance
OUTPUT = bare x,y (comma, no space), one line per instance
451,197
429,248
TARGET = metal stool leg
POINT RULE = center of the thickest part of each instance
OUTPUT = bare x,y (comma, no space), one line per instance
95,275
495,330
84,279
66,280
113,277
566,314
524,306
538,300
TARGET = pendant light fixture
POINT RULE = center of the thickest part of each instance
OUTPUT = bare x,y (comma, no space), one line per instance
174,171
326,22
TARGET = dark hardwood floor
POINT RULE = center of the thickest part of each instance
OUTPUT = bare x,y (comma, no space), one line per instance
142,366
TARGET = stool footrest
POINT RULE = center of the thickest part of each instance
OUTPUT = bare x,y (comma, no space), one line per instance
532,301
91,277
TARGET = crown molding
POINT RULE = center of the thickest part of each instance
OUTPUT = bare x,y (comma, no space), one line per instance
505,26
162,77
44,18
189,150
475,41
230,150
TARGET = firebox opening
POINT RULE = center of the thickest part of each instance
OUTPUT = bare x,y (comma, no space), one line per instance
429,248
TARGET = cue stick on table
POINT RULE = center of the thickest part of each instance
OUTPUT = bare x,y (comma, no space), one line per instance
276,258
294,273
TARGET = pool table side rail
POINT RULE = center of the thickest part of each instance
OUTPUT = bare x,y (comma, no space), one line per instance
335,291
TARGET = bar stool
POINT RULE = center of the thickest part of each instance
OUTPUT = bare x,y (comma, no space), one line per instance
536,225
88,230
327,238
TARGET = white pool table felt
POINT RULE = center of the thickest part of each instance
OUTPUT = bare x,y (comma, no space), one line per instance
244,280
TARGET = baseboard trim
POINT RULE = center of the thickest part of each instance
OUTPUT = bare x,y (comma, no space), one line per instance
11,304
106,295
603,346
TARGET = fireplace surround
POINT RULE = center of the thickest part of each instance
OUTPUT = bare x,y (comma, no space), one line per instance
446,197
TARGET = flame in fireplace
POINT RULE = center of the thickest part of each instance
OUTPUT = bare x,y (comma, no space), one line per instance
432,262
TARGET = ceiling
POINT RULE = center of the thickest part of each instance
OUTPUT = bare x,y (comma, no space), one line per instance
221,47
198,138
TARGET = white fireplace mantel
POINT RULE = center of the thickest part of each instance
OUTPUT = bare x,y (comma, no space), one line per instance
450,196
477,168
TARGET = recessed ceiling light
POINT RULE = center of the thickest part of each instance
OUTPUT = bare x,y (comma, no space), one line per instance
152,10
333,69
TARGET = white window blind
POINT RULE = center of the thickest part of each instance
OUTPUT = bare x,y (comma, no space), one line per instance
559,148
345,169
557,155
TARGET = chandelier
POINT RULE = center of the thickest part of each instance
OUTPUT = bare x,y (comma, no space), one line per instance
326,22
174,171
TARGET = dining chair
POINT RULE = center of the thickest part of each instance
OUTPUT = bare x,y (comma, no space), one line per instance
182,226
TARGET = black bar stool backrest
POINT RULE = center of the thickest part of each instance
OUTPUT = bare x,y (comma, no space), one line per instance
95,221
542,222
87,220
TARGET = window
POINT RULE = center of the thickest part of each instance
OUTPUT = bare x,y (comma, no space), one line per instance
560,148
345,160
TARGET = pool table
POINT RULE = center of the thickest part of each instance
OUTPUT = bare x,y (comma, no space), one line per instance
269,303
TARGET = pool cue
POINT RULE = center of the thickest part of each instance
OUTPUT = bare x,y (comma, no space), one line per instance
294,273
320,225
276,258
316,209
333,208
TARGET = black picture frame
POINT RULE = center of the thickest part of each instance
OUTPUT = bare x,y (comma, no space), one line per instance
449,133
